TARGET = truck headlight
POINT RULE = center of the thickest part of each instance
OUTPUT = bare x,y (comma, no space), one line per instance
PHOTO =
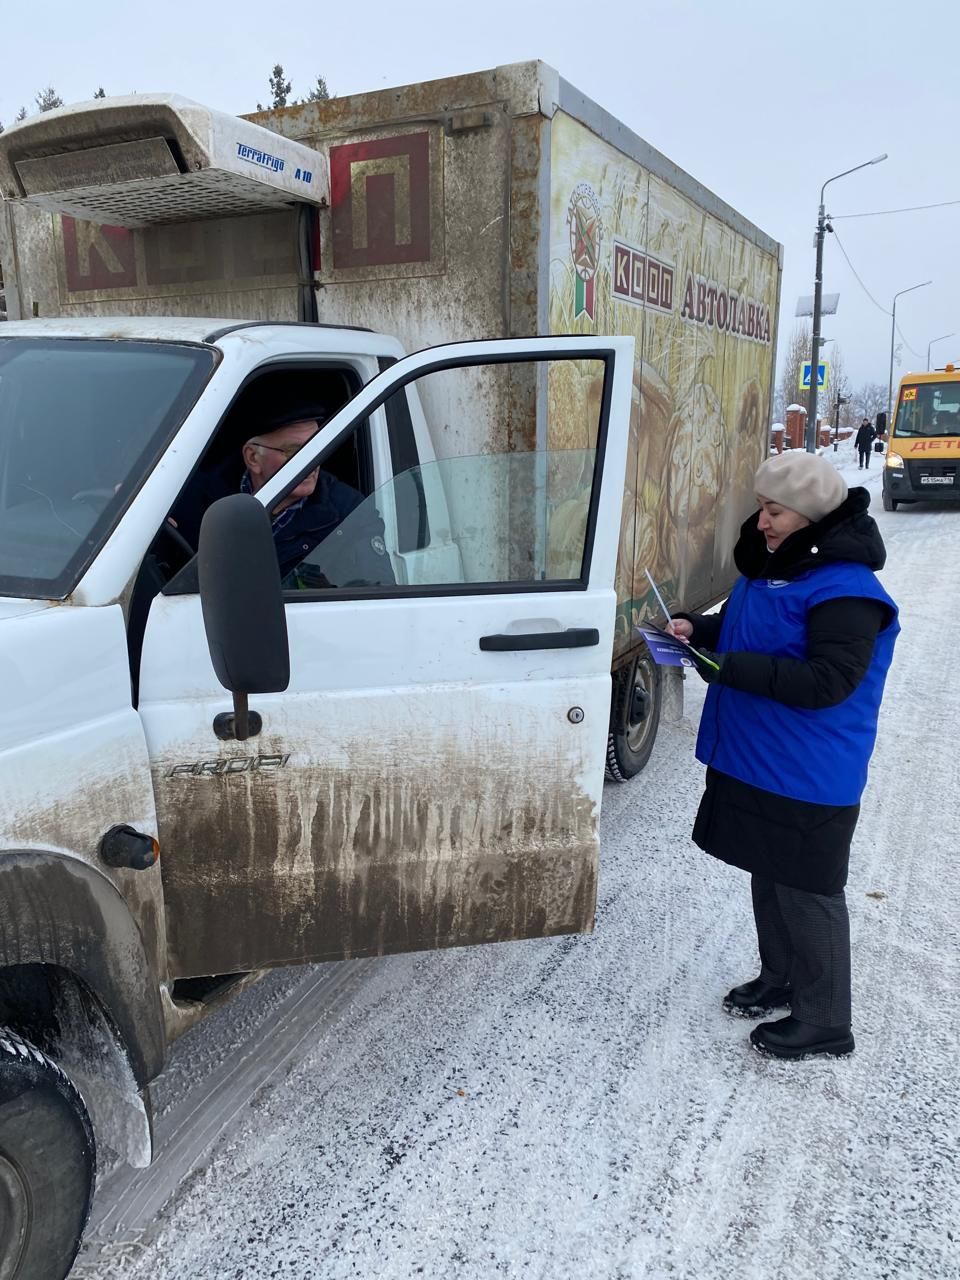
894,462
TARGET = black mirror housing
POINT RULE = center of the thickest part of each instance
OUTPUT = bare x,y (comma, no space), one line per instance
241,597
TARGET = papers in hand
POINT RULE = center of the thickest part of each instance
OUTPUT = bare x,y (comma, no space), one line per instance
667,651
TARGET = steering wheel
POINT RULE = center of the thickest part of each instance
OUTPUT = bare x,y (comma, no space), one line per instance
171,531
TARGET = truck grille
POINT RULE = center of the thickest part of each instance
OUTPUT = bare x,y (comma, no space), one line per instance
179,198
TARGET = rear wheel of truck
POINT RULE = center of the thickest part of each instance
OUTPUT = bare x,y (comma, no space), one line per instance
47,1164
889,504
634,717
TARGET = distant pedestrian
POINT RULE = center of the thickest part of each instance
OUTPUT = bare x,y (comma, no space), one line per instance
864,442
803,646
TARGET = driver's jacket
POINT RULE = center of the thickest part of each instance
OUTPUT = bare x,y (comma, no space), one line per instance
332,539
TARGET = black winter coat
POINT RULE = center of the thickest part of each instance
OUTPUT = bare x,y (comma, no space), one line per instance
791,841
865,436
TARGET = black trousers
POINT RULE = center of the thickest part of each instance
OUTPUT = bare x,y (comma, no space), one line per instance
804,939
865,457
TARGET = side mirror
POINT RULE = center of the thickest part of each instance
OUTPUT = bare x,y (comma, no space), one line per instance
242,603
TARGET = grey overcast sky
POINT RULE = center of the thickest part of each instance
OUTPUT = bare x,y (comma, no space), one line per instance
760,100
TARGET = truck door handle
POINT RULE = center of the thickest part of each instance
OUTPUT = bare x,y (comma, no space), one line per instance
572,638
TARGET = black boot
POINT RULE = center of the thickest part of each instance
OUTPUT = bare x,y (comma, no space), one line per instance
756,999
790,1038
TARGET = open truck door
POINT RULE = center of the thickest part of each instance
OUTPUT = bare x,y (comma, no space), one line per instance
432,774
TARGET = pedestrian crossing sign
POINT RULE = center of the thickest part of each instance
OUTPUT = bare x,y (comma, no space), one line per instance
823,375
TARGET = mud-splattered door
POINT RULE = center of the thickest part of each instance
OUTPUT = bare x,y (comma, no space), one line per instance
432,776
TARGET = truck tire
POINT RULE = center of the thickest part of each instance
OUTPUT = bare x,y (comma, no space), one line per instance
47,1164
634,717
889,504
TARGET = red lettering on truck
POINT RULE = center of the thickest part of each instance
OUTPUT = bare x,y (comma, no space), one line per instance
96,257
380,198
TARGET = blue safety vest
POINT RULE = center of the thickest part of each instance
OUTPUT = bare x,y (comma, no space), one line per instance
817,756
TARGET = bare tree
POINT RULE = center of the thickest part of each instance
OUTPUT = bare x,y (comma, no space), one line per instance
48,99
839,385
798,350
869,400
21,114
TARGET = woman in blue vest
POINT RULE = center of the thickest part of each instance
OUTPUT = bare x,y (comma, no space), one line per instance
802,648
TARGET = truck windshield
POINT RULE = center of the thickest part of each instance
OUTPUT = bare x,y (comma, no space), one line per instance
929,409
82,422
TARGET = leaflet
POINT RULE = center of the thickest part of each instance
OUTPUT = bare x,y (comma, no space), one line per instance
667,651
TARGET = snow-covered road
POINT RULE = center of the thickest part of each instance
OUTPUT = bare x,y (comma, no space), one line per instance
581,1107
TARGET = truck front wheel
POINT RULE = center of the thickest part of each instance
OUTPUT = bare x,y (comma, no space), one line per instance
889,504
634,717
47,1164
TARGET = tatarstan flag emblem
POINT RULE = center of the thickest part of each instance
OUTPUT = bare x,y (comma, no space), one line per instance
586,231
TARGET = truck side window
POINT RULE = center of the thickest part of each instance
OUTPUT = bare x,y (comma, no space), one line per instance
278,395
515,513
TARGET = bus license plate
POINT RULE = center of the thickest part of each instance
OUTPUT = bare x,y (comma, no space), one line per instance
936,479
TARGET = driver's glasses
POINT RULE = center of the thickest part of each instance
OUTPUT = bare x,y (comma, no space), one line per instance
288,450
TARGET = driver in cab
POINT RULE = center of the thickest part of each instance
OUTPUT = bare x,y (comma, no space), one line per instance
310,516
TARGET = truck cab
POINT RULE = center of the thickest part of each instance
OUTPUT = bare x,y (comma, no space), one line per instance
922,462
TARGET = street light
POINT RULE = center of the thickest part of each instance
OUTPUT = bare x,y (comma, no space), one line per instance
943,337
817,302
893,331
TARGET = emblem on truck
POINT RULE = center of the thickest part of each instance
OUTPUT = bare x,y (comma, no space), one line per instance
586,233
262,158
232,764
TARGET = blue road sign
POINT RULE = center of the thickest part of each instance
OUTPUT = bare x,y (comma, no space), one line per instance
822,372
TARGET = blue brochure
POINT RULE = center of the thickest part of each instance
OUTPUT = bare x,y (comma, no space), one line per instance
667,651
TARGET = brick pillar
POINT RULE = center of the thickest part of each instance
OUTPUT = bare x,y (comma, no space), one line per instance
796,426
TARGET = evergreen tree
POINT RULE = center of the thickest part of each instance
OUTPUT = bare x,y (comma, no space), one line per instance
48,99
279,87
319,92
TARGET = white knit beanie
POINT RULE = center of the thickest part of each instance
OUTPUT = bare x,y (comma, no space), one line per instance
804,482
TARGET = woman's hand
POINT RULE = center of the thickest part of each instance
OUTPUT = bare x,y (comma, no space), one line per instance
681,628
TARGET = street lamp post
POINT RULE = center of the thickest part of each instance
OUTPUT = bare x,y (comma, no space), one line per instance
943,337
811,432
893,333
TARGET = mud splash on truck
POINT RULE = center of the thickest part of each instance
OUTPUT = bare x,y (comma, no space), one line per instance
267,865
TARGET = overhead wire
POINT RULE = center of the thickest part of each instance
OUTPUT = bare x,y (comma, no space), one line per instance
880,213
878,305
846,257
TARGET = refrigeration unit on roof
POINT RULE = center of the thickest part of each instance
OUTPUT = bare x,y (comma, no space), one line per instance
155,158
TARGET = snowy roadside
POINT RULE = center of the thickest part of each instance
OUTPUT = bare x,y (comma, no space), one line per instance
581,1106
846,459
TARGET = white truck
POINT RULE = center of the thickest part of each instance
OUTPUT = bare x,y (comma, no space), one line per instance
206,769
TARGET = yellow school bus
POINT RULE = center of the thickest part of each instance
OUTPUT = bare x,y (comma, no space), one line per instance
923,454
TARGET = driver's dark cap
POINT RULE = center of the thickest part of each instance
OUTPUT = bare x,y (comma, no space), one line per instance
296,413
